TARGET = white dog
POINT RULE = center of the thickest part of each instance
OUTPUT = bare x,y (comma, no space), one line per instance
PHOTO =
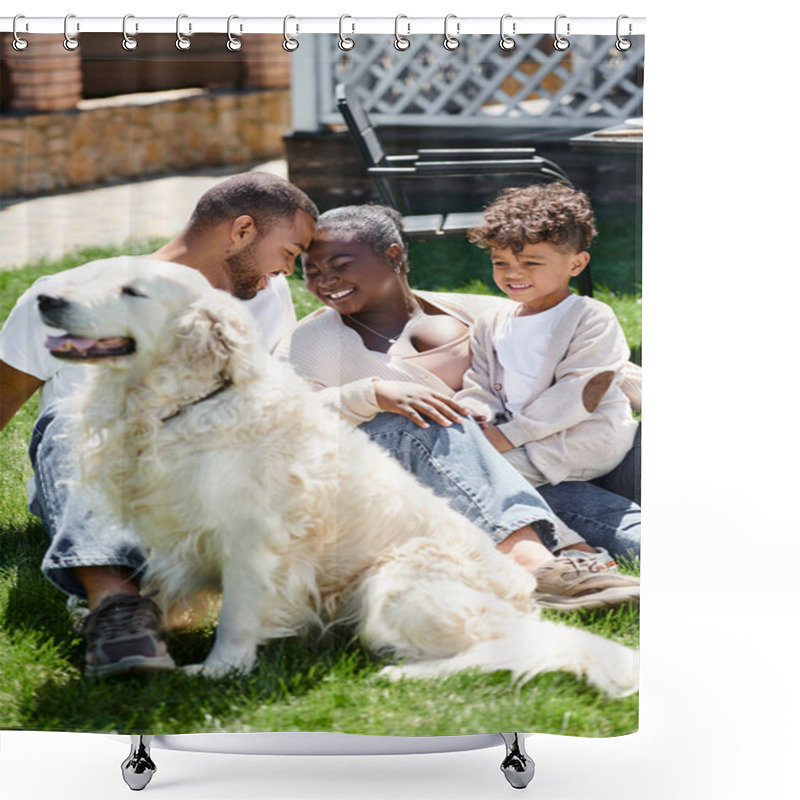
238,480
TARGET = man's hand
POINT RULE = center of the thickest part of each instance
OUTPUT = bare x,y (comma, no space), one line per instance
416,402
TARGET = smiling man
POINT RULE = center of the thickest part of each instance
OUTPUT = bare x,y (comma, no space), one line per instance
243,237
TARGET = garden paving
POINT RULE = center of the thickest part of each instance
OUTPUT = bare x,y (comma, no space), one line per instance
50,226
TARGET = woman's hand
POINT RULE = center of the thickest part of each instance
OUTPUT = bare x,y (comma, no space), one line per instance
415,402
496,438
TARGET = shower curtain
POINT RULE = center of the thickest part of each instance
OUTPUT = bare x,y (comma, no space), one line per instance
105,151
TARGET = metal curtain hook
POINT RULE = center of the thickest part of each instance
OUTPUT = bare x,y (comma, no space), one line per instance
560,43
450,42
401,42
182,43
70,43
18,43
289,43
344,42
623,44
129,42
506,42
234,44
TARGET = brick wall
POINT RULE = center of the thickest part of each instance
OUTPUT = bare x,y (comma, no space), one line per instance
42,78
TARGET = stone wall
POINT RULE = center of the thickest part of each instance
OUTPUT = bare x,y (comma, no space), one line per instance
135,136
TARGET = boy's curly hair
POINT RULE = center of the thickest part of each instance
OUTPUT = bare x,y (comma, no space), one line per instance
550,212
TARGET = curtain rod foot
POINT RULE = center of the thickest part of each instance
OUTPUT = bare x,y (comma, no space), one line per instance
517,766
138,768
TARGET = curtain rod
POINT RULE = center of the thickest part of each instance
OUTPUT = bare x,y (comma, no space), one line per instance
74,24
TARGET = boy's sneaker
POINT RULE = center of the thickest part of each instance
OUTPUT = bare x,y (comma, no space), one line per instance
575,579
125,633
601,558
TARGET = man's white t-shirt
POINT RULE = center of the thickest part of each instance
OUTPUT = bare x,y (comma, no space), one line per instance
23,337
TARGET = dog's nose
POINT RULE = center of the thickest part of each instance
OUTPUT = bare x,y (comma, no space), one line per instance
48,303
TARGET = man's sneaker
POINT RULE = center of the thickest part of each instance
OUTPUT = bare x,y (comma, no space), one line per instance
77,611
125,633
575,580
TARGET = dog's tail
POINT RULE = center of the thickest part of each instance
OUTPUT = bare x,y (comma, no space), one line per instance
539,646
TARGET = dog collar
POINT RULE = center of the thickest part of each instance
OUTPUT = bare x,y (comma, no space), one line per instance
226,382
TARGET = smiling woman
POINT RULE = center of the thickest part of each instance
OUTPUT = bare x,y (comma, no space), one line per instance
357,264
371,292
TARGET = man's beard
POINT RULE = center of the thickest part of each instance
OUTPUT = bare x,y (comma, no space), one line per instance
243,271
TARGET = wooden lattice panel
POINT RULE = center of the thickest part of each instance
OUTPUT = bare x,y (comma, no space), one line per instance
589,85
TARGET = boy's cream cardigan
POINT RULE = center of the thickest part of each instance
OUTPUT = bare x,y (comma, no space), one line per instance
578,424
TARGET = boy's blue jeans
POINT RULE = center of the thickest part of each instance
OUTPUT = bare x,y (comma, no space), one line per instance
606,511
457,463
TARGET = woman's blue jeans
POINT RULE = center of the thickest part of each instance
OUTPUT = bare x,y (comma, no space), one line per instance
459,464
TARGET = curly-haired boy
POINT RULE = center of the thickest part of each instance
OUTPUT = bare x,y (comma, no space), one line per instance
547,372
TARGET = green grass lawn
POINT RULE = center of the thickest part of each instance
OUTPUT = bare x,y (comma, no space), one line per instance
330,684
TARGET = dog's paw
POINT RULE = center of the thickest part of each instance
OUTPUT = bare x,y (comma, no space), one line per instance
399,672
216,667
393,673
192,669
207,670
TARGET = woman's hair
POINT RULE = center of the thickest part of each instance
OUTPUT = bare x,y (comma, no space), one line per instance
378,226
265,197
551,212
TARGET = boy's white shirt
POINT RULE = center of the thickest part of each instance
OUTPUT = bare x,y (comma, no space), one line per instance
521,343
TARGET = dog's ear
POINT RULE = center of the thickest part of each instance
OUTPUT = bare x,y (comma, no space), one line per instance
216,338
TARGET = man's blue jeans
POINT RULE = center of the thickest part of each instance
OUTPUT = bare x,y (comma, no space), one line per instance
80,535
